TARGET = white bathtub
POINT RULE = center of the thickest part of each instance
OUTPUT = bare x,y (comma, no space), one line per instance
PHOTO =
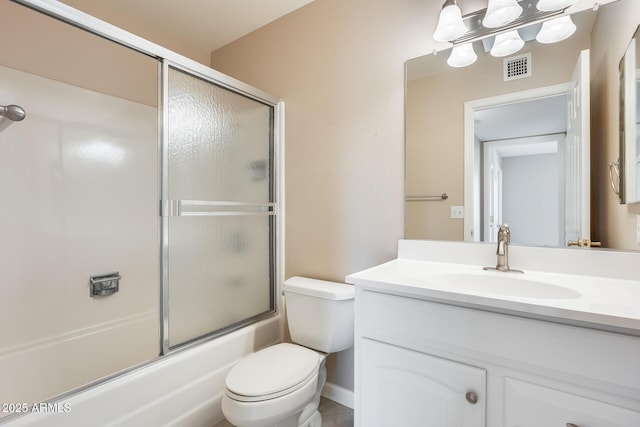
183,389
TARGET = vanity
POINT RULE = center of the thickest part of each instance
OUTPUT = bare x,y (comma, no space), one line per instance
442,342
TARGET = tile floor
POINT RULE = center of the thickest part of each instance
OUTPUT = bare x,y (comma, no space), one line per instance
333,415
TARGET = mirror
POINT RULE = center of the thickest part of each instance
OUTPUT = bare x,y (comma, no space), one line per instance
451,113
630,122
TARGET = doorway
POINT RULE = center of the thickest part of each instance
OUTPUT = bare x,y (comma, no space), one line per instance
523,186
519,166
527,114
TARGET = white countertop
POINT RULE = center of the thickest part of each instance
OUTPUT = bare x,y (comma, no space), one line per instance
594,301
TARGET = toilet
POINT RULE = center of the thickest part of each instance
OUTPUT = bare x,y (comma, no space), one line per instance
280,386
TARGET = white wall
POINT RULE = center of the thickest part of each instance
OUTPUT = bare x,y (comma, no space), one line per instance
78,179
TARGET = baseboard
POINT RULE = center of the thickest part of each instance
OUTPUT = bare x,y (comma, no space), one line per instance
338,394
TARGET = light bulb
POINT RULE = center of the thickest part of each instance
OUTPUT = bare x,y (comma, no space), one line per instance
450,25
507,43
556,30
501,12
462,55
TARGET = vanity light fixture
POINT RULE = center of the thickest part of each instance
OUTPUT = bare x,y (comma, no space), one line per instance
450,25
501,12
507,44
510,24
462,55
556,30
549,5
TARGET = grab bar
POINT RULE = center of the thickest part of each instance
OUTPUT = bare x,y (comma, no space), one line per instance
443,196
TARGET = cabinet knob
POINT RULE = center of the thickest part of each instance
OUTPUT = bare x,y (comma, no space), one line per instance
571,425
473,399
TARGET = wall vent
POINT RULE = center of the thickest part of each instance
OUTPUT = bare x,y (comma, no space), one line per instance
517,67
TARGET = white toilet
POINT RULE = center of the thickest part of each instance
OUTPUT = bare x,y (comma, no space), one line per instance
281,385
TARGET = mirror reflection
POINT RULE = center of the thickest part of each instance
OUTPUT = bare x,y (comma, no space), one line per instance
630,122
506,149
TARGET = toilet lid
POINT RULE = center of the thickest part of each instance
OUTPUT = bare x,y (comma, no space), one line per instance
272,370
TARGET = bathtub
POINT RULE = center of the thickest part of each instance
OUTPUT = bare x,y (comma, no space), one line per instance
182,389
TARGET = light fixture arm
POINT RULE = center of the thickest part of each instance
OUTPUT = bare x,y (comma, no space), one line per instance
477,32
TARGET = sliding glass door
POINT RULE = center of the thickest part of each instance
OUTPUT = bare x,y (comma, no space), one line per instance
218,208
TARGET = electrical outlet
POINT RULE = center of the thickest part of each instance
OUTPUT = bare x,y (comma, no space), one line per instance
457,211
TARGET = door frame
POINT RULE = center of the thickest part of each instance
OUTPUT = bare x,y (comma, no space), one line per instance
470,107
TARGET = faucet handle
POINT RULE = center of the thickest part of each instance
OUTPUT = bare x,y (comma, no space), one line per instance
504,234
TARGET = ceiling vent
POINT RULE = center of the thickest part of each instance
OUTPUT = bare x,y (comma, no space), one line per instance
517,67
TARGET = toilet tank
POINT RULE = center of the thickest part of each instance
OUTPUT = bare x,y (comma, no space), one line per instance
320,314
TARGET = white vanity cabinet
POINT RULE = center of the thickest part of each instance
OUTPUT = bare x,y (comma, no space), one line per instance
403,387
429,363
530,405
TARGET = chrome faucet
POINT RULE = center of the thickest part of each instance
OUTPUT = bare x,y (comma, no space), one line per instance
504,238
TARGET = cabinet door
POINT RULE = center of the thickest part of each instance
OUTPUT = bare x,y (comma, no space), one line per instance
530,405
401,387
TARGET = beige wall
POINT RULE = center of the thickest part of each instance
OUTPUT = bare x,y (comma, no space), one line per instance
342,80
339,67
613,223
102,9
49,48
435,127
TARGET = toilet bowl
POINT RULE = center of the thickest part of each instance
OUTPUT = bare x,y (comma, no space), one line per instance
280,386
273,386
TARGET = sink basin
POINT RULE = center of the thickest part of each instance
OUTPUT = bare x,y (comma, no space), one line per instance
507,284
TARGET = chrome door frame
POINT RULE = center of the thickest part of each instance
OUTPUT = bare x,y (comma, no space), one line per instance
169,208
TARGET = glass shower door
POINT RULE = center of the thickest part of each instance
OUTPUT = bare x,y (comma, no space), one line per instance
218,208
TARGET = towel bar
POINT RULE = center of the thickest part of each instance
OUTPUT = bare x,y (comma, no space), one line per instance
442,196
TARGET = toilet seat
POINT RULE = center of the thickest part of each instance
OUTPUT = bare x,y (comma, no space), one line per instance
272,372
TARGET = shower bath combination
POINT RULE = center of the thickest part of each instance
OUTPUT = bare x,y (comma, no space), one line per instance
89,170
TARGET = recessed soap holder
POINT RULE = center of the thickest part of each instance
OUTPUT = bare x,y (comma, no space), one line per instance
104,285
